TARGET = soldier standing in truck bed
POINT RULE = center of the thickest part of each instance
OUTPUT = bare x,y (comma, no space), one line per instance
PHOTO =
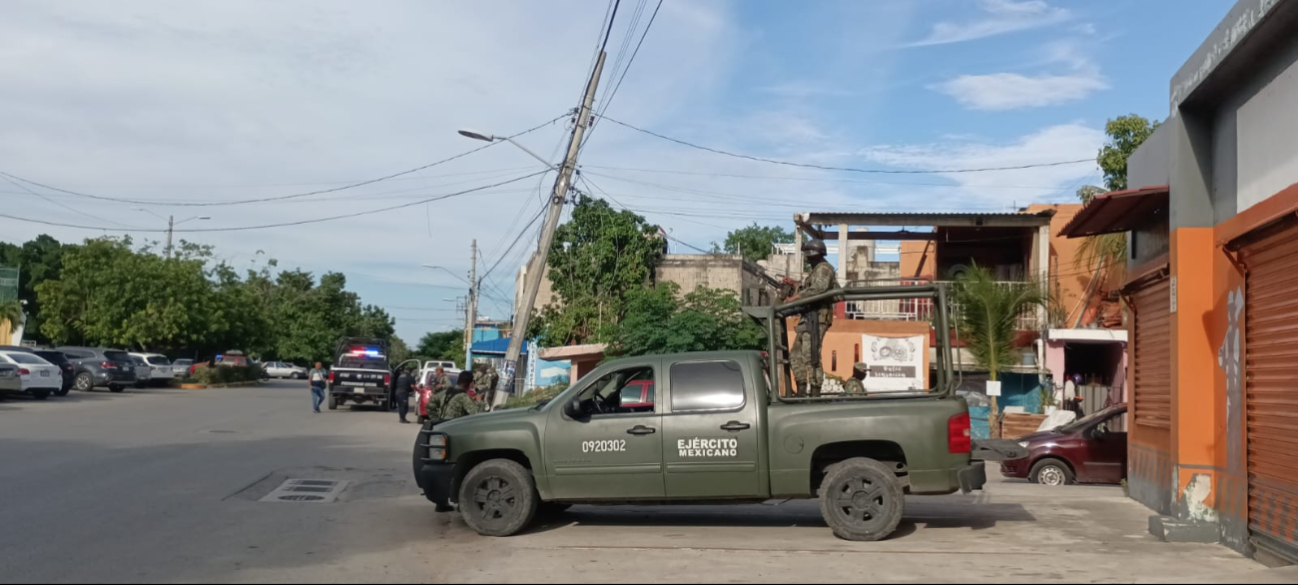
814,322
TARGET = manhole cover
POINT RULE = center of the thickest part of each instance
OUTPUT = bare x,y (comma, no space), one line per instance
316,491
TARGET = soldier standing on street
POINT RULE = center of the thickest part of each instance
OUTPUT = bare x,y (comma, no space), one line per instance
814,322
854,385
456,402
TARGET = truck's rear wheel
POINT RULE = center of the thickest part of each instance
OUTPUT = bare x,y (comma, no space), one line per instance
333,402
498,498
861,500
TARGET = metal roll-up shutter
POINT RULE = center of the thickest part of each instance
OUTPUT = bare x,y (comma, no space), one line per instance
1152,394
1271,400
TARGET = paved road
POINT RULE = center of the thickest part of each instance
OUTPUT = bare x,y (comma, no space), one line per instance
163,486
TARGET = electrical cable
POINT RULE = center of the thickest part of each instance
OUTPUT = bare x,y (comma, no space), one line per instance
609,98
844,169
285,224
282,197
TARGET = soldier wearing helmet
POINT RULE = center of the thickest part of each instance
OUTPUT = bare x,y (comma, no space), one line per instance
815,321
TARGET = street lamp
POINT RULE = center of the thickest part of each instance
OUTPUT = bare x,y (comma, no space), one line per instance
448,271
492,138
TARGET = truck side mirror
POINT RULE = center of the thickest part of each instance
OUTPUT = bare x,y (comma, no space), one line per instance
572,409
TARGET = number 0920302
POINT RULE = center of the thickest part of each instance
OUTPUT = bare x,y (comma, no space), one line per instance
613,446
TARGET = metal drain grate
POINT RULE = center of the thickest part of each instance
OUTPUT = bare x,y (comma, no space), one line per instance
314,491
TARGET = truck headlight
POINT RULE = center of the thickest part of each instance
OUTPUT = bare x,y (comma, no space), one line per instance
437,454
438,447
437,440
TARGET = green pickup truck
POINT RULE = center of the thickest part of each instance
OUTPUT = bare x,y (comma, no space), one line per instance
708,428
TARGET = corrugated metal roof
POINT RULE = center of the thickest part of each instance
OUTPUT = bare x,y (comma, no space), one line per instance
1117,211
927,218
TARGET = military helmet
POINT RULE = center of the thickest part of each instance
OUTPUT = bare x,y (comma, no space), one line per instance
861,367
814,247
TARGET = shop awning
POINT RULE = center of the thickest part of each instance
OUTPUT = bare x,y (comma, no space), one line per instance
1118,211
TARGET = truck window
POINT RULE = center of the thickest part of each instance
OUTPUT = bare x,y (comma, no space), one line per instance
620,392
717,385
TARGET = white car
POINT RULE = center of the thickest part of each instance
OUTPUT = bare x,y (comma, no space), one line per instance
180,367
159,365
39,377
285,370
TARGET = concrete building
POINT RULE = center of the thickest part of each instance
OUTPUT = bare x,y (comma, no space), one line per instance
1212,222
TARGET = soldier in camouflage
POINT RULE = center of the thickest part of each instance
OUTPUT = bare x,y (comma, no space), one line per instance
854,385
456,402
807,369
485,377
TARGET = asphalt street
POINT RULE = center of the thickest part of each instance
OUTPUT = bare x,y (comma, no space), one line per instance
163,485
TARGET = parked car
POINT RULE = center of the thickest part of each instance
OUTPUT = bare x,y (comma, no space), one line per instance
38,377
97,367
143,373
54,357
181,367
232,358
57,358
285,370
10,381
160,370
638,396
1092,449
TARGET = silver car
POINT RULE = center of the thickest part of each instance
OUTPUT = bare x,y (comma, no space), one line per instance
10,381
284,370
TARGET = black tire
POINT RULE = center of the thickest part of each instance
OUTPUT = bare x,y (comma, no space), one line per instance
116,389
498,498
41,394
861,500
297,376
84,382
1052,472
333,402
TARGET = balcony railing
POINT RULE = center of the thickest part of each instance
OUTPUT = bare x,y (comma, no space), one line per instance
922,309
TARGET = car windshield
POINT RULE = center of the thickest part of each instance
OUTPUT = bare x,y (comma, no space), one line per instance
1091,418
157,360
117,356
26,358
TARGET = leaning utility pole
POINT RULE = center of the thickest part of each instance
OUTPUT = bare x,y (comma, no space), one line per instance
471,312
171,225
533,284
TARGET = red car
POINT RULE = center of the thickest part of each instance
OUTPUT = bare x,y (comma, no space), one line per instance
1092,449
638,394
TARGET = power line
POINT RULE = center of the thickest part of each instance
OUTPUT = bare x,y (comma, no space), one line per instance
844,169
282,197
609,99
819,179
521,233
72,209
286,224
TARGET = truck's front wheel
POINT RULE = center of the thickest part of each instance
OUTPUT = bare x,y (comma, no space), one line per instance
498,498
861,499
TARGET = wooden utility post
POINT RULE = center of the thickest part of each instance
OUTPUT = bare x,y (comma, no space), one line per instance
558,195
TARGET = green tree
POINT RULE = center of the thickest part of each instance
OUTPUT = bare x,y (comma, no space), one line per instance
988,312
37,260
1126,133
754,242
597,258
11,316
442,346
658,320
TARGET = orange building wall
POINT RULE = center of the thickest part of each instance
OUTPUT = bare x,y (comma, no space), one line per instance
918,259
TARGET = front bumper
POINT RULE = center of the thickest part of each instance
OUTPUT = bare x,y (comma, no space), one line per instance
103,378
973,477
1016,468
437,479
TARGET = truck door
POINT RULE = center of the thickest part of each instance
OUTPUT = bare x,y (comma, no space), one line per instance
608,451
711,432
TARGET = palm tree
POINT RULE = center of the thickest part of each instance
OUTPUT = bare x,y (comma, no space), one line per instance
988,312
11,316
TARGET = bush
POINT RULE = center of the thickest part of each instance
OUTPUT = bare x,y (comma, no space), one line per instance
536,396
227,374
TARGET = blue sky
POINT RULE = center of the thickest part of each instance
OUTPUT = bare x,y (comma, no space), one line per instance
189,102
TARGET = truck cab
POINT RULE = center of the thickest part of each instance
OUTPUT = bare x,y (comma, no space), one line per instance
705,427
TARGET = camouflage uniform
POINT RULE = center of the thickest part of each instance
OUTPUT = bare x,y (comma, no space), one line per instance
442,383
807,369
854,385
458,406
485,377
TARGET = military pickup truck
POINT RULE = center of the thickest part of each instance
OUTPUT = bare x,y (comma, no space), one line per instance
718,427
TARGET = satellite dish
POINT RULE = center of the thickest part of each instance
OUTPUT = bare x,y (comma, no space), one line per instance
956,271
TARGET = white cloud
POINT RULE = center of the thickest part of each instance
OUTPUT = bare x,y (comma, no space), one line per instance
1008,91
1063,142
1000,17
